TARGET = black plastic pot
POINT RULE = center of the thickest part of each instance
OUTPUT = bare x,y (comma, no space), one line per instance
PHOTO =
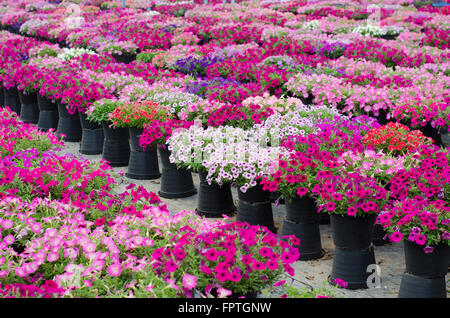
309,235
29,111
433,133
116,148
275,198
445,137
214,200
302,210
424,275
302,220
142,165
389,36
308,100
379,235
12,99
255,207
175,182
48,114
92,137
352,238
2,98
382,117
68,124
324,218
124,58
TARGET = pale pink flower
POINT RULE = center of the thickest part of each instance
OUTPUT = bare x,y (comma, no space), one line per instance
20,271
171,283
189,281
7,224
35,227
9,239
51,257
87,283
222,292
114,269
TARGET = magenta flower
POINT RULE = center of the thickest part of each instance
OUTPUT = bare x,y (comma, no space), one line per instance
280,283
330,206
421,239
341,283
302,191
211,255
396,237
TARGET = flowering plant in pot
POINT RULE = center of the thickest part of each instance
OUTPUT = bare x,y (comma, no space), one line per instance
350,194
428,177
70,53
379,165
101,110
241,160
423,226
353,202
228,259
395,138
137,114
116,148
312,156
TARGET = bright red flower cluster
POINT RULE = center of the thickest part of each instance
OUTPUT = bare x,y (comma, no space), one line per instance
395,137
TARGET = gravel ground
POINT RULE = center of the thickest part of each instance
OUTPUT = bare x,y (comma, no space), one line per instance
313,273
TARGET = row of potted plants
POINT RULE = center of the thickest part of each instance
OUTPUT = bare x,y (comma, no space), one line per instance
79,237
278,144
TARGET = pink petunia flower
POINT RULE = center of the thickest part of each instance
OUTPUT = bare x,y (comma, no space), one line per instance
189,281
114,270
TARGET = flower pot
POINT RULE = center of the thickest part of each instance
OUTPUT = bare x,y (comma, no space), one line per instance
324,218
302,220
29,111
308,100
255,207
116,148
302,210
382,117
12,99
2,98
389,36
431,132
175,182
424,275
48,114
124,58
275,198
92,137
379,235
142,165
445,137
214,200
68,124
352,238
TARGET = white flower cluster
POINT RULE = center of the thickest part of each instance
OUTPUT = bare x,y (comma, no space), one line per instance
175,101
228,154
68,54
311,25
31,25
151,13
375,31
